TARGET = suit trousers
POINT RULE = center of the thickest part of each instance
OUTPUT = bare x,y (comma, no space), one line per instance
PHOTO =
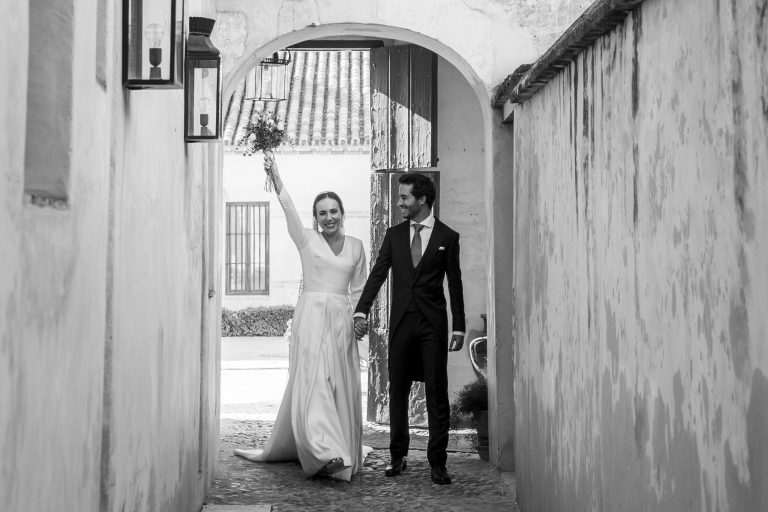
415,339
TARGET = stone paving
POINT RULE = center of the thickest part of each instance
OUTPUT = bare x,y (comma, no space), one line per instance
282,487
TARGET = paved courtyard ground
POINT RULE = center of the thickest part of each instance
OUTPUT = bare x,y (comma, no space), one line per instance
247,419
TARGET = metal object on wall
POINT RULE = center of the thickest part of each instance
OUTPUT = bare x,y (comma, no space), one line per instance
153,42
202,88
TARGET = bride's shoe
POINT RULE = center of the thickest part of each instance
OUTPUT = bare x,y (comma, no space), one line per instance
334,466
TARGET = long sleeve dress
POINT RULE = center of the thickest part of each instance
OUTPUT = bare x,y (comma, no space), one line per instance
320,416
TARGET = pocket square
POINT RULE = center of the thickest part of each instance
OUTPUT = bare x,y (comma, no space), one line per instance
441,248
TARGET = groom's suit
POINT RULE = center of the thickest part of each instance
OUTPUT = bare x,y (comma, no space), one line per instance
418,326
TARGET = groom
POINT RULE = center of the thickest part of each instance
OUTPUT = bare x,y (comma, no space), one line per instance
420,251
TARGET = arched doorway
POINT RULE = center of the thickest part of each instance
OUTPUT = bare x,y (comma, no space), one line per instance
476,95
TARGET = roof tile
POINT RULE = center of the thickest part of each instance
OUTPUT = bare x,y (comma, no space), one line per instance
328,106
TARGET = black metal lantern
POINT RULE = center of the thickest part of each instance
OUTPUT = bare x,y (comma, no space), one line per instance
273,81
153,41
202,86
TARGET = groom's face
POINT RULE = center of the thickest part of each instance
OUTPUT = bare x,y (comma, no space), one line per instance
409,205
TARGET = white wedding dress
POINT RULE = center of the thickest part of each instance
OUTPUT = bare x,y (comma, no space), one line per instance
320,416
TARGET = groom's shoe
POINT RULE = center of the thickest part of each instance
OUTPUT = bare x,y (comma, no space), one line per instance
396,466
440,475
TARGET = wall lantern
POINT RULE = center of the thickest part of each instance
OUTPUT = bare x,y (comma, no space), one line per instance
273,82
202,86
153,41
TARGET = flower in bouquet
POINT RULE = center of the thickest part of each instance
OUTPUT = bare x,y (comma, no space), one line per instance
262,134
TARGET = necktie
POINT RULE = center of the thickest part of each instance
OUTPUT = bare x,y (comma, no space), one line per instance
416,244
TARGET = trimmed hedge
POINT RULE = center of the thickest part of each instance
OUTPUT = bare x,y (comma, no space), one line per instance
260,321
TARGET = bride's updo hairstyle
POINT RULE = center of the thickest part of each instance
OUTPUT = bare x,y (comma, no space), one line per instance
326,195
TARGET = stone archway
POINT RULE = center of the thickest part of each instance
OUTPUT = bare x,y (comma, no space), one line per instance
483,101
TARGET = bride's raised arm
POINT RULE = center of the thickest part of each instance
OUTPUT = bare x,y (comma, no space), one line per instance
295,228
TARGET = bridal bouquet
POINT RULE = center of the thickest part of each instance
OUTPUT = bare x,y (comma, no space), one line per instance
263,134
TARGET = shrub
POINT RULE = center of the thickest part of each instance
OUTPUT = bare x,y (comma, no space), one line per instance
259,321
472,399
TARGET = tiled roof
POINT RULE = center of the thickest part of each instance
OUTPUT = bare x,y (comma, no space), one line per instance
328,106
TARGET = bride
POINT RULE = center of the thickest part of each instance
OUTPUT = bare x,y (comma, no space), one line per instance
320,417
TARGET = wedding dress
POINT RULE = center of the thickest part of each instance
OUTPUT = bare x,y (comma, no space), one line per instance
320,416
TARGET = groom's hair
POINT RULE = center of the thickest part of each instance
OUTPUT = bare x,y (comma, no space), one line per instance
422,186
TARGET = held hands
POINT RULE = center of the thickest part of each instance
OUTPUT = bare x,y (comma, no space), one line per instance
361,327
457,341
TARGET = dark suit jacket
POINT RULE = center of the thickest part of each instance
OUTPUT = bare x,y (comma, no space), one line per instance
424,283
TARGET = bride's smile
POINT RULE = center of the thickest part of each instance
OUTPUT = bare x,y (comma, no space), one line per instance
329,216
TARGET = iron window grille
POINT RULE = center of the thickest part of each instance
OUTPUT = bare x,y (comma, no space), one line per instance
247,239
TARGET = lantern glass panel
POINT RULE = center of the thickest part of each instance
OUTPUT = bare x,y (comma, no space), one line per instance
153,43
203,105
272,82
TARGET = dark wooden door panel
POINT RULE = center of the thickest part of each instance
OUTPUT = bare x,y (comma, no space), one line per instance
385,213
403,108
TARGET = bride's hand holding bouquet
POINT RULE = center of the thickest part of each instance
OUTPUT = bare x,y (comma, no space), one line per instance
270,168
263,134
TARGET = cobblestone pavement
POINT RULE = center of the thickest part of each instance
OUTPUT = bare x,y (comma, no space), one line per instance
476,485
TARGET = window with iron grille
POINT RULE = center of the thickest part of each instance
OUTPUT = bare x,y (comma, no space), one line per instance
247,263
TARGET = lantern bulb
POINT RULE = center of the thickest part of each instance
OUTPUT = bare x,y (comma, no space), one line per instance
204,104
154,34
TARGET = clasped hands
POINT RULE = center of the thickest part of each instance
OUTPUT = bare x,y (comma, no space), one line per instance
361,328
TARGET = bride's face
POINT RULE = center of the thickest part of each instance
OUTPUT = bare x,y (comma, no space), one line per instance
328,216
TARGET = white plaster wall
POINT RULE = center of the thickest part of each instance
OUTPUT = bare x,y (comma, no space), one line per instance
157,327
108,289
460,150
640,271
305,175
52,282
165,296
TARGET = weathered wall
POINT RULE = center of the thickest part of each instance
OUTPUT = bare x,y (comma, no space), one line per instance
640,278
108,356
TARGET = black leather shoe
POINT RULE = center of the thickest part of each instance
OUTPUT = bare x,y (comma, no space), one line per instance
396,466
440,475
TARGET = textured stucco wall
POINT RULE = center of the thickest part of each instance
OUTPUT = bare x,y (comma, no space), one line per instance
102,325
640,278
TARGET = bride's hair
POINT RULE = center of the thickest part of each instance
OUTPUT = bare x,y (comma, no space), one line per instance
326,195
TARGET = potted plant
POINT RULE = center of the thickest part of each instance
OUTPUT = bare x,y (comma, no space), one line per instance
472,400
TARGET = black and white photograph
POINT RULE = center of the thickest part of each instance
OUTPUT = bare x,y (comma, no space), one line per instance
384,256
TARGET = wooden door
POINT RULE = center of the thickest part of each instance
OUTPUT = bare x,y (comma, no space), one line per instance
404,138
